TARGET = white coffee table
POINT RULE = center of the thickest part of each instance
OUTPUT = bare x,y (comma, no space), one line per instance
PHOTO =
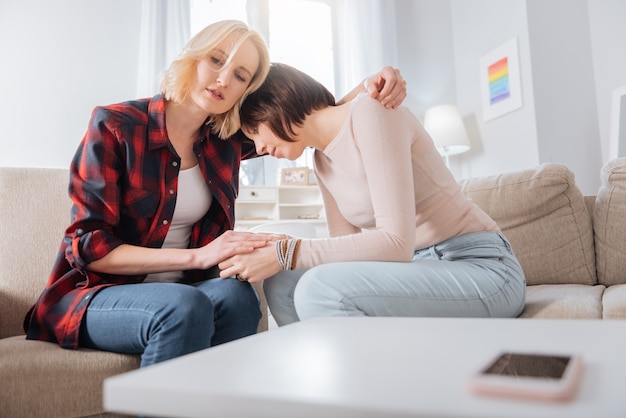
375,367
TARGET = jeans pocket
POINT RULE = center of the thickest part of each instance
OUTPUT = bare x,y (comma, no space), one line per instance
486,246
506,243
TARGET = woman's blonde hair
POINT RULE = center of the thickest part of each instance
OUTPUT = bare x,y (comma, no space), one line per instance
182,71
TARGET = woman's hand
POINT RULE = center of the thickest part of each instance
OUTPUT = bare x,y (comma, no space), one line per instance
387,86
229,244
254,266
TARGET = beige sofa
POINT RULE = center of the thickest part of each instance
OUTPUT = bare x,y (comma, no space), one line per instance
40,379
571,248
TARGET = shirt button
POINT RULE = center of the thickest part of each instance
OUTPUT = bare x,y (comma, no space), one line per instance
171,191
175,163
79,232
165,222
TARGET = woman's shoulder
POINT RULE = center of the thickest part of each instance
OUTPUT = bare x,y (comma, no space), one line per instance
363,101
367,109
128,112
364,104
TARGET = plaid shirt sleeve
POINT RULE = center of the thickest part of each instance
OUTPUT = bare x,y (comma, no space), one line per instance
94,188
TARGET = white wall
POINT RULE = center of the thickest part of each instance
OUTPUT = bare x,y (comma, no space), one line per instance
572,56
426,53
565,100
59,59
607,25
508,142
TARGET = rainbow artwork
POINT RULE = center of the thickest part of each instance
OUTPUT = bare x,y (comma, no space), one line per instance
499,87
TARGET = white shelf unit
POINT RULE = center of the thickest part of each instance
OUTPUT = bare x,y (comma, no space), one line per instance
256,205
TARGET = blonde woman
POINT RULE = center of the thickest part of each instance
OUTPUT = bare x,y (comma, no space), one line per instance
153,184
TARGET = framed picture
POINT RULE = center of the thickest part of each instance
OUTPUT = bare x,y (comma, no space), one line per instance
501,87
297,176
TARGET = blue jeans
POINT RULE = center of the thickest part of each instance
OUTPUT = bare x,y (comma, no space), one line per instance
472,275
162,321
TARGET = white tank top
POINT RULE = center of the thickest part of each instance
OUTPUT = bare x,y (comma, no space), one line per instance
193,201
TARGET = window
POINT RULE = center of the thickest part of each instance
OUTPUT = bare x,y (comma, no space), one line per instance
299,34
204,12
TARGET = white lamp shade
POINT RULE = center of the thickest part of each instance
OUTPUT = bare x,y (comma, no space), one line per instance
445,126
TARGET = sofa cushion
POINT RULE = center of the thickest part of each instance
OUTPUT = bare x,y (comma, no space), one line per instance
34,212
40,379
543,213
614,302
609,223
559,301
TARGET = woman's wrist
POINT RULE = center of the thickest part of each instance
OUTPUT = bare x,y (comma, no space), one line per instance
286,252
195,261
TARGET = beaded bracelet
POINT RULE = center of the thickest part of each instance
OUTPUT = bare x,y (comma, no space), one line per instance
286,252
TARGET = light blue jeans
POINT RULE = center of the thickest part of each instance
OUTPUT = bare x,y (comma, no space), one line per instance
473,275
162,321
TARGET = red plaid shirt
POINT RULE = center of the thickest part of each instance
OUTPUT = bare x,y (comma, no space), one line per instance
123,182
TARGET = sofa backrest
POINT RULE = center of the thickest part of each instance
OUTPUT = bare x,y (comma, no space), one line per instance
609,223
34,212
544,215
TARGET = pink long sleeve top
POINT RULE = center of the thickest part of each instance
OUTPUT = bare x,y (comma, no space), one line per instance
387,192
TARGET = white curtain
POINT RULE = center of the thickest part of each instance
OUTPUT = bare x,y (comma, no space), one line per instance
263,170
365,40
257,12
164,32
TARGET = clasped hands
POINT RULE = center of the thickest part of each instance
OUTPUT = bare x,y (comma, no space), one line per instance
254,264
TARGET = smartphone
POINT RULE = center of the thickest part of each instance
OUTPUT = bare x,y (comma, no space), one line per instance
529,375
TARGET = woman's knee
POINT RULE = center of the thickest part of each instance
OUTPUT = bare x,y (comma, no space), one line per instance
279,288
237,310
234,294
319,281
185,306
279,291
236,304
316,294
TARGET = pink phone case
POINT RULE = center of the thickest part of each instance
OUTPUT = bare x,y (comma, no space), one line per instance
512,384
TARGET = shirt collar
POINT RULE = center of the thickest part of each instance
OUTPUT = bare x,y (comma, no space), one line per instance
157,132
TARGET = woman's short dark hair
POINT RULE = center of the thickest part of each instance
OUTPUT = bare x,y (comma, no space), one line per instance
284,100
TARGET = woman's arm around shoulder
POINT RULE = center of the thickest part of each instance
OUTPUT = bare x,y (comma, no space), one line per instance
386,86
